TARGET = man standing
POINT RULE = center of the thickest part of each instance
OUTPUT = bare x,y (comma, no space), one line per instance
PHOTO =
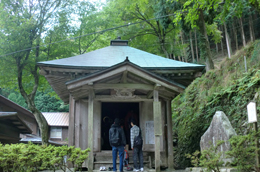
138,153
117,142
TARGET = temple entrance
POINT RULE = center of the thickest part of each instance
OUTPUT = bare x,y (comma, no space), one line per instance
125,112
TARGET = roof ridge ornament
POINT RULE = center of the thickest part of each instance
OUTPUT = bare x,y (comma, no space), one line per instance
126,59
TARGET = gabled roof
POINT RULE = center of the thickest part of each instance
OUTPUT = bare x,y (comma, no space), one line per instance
144,81
12,118
111,55
57,118
15,106
133,68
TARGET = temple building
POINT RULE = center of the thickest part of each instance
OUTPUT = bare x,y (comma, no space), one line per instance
122,82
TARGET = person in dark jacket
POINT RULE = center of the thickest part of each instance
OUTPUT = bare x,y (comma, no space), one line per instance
118,145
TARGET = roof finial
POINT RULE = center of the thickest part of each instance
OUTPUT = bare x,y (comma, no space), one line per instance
119,37
126,59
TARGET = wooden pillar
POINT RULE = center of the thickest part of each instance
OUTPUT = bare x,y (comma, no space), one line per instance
90,128
71,134
169,134
157,128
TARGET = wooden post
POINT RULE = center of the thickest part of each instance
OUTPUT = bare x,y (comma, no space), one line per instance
71,134
252,118
245,63
257,145
157,128
90,128
169,134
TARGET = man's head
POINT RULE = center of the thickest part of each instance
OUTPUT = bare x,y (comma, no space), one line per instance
117,121
133,122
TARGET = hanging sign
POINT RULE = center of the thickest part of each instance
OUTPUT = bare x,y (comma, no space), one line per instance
251,112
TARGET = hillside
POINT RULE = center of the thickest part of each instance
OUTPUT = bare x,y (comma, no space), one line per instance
228,88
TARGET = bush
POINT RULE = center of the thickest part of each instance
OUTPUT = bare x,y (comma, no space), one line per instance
243,152
31,157
210,158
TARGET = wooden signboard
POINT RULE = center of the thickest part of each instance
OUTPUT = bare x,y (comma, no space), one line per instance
251,112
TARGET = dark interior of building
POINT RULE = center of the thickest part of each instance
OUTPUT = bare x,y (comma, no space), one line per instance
125,112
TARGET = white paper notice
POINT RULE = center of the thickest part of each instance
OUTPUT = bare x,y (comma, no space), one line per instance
149,132
251,111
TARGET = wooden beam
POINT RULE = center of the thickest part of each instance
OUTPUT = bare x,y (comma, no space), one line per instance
120,86
150,94
169,134
167,85
96,78
90,129
157,86
115,99
124,77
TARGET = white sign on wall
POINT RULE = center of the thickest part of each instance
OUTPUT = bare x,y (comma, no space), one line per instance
149,132
251,112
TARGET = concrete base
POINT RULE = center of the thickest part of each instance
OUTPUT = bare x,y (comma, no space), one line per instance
200,169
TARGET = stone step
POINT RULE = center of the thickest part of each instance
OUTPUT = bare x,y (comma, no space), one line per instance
98,164
107,156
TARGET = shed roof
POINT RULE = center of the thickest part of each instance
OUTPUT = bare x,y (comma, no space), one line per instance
57,118
111,55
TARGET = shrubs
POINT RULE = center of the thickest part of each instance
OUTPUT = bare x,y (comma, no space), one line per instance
31,157
242,155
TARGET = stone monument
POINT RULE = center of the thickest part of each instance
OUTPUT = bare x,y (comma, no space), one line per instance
219,129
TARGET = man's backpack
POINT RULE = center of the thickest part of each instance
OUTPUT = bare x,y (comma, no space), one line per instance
138,141
115,137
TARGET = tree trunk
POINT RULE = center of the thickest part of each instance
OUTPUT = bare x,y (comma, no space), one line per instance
196,44
205,46
228,42
184,52
251,27
235,33
221,43
29,98
43,125
242,31
192,51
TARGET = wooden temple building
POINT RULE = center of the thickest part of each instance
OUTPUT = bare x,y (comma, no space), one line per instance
119,81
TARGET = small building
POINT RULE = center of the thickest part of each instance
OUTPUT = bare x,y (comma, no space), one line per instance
119,81
15,121
58,126
58,123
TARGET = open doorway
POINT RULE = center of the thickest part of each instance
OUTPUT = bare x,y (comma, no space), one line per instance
125,112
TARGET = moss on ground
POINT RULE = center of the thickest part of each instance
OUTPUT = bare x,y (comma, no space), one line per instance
228,88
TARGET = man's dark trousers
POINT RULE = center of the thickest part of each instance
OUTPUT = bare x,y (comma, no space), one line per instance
138,154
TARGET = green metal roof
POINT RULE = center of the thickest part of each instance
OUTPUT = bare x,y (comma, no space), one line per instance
111,55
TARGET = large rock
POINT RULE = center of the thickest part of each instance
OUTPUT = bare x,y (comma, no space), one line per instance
219,129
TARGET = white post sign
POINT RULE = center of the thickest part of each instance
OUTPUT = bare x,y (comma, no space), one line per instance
251,111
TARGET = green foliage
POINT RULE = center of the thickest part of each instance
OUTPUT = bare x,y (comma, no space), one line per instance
31,157
194,158
227,89
45,101
243,152
211,158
